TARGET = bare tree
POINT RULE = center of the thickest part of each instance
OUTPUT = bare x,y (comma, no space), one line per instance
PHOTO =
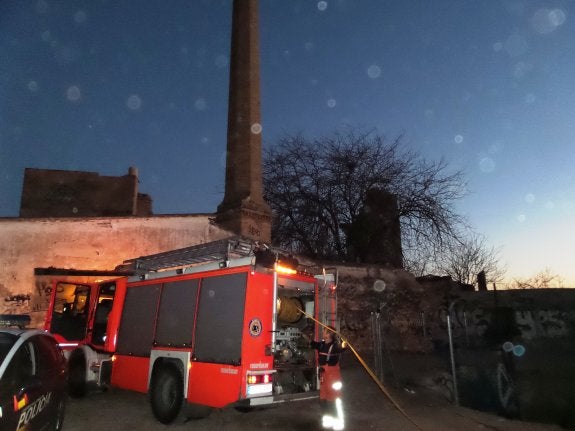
318,187
463,260
542,280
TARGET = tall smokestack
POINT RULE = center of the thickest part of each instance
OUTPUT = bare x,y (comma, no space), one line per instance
243,209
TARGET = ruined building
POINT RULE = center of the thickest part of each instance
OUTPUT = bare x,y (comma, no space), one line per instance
56,193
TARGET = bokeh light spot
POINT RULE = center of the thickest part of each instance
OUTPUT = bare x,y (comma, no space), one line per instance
80,17
545,21
200,104
134,102
256,128
322,5
331,103
486,165
557,17
529,198
521,218
374,71
46,36
458,139
33,86
495,147
73,93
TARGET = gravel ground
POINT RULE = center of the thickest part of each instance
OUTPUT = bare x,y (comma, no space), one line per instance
366,409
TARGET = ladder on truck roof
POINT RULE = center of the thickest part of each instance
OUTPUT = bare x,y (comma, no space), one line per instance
221,250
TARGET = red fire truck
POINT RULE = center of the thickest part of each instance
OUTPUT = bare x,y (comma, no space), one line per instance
201,327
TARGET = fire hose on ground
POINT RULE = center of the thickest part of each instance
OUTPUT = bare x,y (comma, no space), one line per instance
367,369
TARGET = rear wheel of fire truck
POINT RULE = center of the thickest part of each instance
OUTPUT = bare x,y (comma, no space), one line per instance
77,374
167,393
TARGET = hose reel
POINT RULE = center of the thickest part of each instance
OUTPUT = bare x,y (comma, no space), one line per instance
288,309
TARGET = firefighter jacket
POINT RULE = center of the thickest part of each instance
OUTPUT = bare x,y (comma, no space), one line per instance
329,353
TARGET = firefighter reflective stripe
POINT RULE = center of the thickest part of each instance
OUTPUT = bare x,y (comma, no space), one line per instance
33,410
336,422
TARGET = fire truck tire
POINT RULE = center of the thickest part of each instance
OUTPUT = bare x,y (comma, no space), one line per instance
167,393
77,375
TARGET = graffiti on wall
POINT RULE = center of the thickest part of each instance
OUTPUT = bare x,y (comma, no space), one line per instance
531,323
42,298
25,303
15,304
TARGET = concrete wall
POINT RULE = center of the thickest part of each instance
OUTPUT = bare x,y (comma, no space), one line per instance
84,243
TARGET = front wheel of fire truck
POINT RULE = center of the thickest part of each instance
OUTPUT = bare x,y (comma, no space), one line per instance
167,393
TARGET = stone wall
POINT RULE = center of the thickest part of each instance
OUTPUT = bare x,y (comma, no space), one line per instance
413,313
85,244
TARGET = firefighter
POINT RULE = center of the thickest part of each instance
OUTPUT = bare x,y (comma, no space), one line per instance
329,351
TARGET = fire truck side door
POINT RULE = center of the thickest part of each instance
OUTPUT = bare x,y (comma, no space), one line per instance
106,293
70,310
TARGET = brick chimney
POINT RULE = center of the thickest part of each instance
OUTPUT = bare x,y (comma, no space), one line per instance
243,209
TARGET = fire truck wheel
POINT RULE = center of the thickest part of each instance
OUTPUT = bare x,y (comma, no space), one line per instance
167,393
77,375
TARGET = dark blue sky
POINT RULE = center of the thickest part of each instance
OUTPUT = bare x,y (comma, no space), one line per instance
102,85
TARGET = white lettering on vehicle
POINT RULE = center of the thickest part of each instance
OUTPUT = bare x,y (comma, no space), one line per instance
229,371
32,410
259,366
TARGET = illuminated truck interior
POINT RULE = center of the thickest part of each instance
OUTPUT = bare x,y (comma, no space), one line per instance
293,358
70,317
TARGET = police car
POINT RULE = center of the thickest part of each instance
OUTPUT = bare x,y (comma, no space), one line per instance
32,381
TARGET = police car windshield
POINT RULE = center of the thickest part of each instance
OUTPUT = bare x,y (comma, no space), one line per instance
6,343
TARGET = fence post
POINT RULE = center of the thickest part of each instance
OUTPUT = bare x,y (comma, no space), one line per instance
377,347
453,371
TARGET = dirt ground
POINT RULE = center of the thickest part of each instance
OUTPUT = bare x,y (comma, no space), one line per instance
365,406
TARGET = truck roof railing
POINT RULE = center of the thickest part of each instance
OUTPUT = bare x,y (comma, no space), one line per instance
220,250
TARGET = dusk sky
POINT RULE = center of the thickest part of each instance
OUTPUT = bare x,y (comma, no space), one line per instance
101,85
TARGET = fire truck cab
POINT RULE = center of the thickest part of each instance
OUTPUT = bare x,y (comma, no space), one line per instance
197,329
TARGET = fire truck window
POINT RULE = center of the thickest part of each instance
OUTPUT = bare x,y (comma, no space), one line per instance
220,319
103,308
177,312
136,332
70,312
